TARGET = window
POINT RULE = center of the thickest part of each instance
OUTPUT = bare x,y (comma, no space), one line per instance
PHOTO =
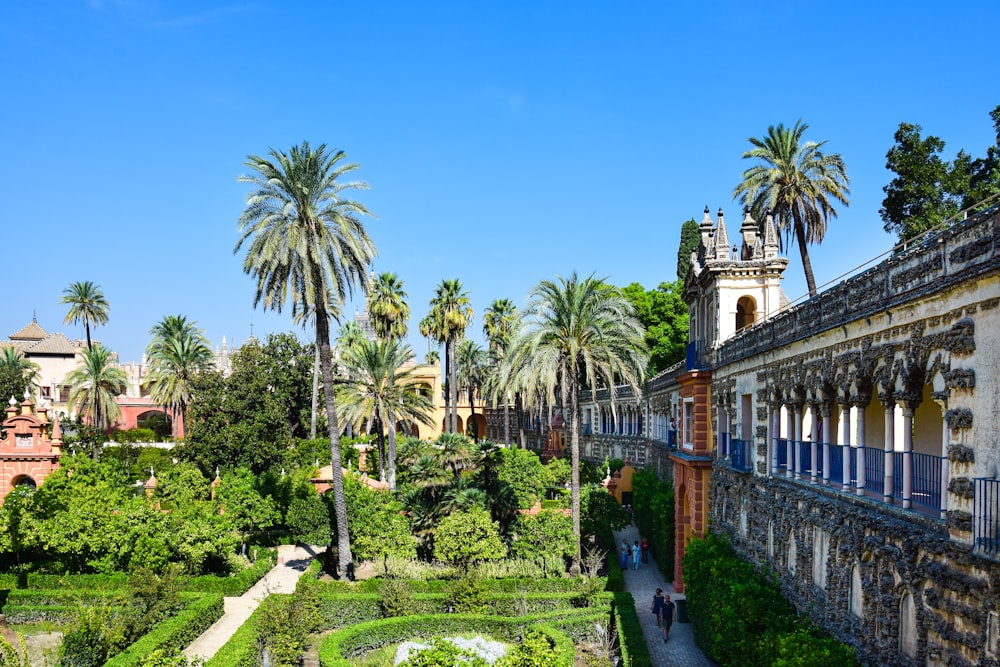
857,605
745,312
688,423
821,549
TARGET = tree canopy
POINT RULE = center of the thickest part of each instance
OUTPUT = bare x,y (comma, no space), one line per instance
664,314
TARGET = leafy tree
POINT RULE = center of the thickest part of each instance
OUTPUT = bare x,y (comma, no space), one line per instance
665,316
387,307
307,239
689,244
522,471
242,504
378,528
380,383
653,504
798,183
17,373
13,540
443,653
578,331
468,537
451,312
177,352
534,650
500,322
94,385
927,189
601,512
87,304
546,534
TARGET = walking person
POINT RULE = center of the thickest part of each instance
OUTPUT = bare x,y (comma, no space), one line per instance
636,554
657,606
625,551
668,612
645,550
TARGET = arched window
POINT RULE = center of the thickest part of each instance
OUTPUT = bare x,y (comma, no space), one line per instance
746,311
907,626
821,549
792,552
857,596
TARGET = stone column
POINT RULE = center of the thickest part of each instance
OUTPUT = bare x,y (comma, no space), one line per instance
813,442
774,424
790,447
845,444
860,450
888,476
825,410
797,420
907,470
720,440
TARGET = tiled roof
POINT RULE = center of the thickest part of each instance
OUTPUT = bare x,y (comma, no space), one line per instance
55,343
31,332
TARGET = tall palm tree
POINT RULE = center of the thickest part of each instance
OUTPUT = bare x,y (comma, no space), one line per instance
307,239
471,362
500,321
797,182
387,307
379,382
177,352
87,304
451,312
94,385
18,372
576,330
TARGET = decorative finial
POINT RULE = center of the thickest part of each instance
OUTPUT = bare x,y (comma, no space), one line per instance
217,472
12,402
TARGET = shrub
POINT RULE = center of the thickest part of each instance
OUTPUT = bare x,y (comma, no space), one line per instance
468,537
469,595
442,653
396,598
534,650
653,500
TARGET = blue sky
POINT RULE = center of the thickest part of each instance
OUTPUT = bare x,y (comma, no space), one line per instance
504,143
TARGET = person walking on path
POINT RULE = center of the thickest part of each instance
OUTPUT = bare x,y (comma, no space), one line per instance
636,555
657,606
625,551
645,550
668,612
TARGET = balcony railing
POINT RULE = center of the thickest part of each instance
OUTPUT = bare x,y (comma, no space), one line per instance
781,449
874,469
986,523
739,455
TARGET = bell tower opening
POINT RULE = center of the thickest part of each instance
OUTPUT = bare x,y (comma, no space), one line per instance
746,312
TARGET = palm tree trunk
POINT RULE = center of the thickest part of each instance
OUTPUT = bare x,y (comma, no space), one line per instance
575,461
472,417
800,238
447,388
391,429
506,420
453,386
315,396
344,558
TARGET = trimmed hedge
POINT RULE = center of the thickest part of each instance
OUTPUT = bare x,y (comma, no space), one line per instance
175,633
631,642
52,613
56,606
240,650
338,647
740,617
506,585
235,585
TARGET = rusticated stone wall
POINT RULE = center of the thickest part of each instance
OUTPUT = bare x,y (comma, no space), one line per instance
954,590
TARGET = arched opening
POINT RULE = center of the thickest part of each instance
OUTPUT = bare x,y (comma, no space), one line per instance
792,552
770,539
746,311
907,626
856,599
476,427
459,425
157,421
23,480
821,553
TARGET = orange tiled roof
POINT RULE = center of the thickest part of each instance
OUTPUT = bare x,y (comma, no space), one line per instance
55,343
31,332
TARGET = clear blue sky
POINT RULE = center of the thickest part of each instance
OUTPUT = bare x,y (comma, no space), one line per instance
504,142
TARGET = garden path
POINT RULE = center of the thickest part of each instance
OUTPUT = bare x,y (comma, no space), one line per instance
292,562
680,650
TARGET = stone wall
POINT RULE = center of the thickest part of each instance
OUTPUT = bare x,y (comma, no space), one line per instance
782,526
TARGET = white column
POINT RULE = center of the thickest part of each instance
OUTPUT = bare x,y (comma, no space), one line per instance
845,443
890,427
945,464
797,416
907,471
774,422
825,411
813,442
790,447
860,450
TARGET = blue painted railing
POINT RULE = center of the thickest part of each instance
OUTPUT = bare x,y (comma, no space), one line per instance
986,521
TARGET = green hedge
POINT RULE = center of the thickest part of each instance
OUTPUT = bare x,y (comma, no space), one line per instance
354,640
240,650
56,606
51,613
506,585
653,501
740,617
88,582
175,633
631,642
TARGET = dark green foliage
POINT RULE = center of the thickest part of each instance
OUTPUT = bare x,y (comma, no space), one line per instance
740,617
664,315
441,653
653,501
175,633
377,527
395,597
521,469
635,652
601,512
469,595
690,242
285,621
927,189
548,534
87,642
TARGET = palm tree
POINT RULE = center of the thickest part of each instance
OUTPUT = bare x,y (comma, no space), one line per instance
387,307
450,313
471,362
432,357
500,321
86,304
379,382
177,352
797,182
306,239
18,373
576,330
94,385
